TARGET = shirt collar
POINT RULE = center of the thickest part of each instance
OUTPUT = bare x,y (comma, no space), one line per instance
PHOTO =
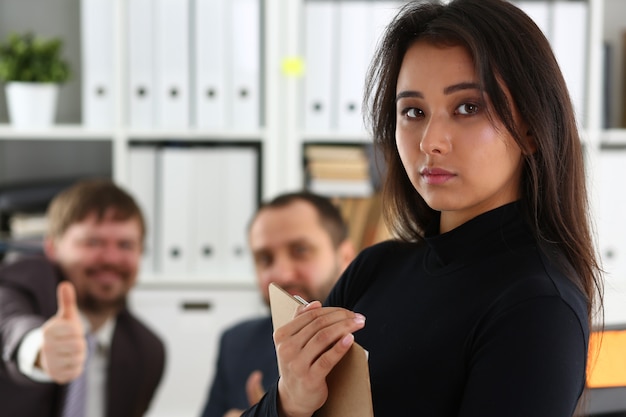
488,233
104,335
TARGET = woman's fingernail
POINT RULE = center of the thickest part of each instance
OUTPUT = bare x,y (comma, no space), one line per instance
347,339
359,318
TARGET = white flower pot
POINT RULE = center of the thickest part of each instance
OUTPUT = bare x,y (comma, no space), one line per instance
31,105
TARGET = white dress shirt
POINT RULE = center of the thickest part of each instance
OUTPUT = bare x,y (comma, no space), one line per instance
96,365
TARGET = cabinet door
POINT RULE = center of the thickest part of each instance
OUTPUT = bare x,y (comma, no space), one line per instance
190,323
611,224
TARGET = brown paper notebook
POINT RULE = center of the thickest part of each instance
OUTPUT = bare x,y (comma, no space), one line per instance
349,393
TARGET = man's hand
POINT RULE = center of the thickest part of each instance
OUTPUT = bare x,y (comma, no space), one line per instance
255,391
254,387
64,347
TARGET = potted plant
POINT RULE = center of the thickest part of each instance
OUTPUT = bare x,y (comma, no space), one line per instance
32,69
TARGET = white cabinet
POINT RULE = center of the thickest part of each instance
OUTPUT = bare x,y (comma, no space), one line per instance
611,224
190,322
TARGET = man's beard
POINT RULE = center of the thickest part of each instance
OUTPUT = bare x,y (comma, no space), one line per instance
91,304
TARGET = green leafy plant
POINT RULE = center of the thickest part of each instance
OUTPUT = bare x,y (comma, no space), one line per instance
26,58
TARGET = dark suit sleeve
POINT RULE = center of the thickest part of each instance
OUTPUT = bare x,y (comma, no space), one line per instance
27,300
267,406
17,318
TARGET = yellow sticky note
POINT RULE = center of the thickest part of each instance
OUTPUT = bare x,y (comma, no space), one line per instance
607,359
292,66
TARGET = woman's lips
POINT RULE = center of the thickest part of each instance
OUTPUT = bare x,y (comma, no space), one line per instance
436,176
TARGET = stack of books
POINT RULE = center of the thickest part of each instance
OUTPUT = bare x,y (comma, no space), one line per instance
338,170
28,226
364,219
349,175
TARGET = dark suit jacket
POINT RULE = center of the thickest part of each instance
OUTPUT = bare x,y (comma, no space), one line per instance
27,300
245,347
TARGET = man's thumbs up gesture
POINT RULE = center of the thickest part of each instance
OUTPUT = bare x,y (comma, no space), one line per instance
64,348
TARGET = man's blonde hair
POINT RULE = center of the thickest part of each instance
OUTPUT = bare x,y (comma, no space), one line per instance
94,196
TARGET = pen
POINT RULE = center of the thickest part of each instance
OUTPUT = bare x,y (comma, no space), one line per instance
301,300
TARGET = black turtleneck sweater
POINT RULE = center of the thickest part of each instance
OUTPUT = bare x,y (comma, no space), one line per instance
479,322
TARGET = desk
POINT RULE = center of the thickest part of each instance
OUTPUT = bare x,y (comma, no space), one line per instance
606,400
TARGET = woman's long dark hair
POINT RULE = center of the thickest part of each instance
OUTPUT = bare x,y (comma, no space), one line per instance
511,52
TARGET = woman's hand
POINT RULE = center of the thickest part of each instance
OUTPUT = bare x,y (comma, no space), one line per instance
308,348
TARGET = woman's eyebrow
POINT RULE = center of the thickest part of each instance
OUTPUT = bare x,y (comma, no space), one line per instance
448,90
409,93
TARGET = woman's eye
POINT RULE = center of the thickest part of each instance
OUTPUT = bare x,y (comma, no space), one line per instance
413,112
467,108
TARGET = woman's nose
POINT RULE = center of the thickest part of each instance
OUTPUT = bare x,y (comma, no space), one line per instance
436,136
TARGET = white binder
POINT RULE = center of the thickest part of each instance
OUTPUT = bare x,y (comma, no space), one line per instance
209,214
244,32
176,199
320,38
241,200
383,12
211,63
140,57
172,63
539,12
569,41
97,27
355,34
142,161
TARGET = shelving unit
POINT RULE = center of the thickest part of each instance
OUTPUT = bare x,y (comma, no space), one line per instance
283,135
120,134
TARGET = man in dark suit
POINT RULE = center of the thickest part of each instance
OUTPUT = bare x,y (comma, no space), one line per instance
300,242
49,304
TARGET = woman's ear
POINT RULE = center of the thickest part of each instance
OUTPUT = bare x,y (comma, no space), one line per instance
531,145
528,138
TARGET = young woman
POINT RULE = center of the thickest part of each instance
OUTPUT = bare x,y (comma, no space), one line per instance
482,306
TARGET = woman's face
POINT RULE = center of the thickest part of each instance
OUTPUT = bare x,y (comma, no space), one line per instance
456,158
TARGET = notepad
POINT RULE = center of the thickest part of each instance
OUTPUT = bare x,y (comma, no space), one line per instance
349,391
